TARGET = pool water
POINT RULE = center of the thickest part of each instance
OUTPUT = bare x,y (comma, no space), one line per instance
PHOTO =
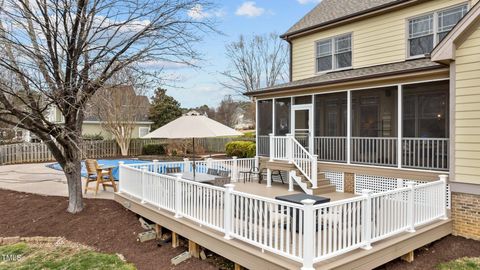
102,162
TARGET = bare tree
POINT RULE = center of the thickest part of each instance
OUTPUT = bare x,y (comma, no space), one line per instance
226,111
256,62
119,109
59,53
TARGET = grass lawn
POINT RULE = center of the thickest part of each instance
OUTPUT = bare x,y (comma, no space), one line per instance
461,264
57,256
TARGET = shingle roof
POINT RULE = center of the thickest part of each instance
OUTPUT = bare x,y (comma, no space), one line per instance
354,74
330,10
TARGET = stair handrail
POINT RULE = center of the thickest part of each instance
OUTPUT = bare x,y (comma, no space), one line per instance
310,174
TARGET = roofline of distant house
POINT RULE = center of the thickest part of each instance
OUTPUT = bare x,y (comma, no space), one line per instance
382,8
366,77
99,122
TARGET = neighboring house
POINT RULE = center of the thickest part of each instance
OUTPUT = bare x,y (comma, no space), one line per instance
371,100
242,121
92,125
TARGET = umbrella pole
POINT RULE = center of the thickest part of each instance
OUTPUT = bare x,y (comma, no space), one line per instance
193,151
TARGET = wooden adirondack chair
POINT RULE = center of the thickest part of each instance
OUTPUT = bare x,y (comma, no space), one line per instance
99,175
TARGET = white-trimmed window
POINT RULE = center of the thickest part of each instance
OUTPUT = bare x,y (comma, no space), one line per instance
425,31
334,53
142,131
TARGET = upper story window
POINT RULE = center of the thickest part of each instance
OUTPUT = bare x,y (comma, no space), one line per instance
334,53
425,31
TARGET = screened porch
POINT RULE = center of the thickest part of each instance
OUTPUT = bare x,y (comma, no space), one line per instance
403,126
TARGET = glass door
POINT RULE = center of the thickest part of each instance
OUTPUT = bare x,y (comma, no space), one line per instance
303,125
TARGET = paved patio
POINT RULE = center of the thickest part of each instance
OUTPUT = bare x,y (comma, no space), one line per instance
37,178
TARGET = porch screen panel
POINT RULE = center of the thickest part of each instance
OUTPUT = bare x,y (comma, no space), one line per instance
282,116
374,126
265,125
331,126
426,125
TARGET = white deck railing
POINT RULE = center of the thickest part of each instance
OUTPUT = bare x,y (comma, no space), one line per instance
418,153
304,233
289,149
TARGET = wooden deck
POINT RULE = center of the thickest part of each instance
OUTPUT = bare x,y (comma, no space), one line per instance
252,257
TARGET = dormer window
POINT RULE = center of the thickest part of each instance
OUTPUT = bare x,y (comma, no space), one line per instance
425,31
334,53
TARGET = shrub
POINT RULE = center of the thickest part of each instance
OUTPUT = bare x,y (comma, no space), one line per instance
93,137
153,149
241,149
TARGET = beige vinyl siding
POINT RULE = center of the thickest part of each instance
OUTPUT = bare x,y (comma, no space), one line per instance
94,128
467,110
376,40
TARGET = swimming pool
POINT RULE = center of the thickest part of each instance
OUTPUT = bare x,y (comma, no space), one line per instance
102,162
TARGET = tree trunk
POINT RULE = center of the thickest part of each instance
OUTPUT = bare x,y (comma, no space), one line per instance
73,170
124,148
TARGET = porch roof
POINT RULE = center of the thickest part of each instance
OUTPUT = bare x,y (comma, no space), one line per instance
405,67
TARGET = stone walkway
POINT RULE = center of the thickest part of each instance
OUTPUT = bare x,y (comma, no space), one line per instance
39,179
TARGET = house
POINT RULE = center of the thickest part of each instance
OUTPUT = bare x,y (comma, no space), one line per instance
381,91
379,117
132,106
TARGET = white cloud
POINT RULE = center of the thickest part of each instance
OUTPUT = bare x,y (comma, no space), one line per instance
199,13
249,9
304,2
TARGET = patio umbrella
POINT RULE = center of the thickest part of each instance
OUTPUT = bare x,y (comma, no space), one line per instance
192,125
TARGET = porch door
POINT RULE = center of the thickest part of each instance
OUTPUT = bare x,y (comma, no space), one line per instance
302,125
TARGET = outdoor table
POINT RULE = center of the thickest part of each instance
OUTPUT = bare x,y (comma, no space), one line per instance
199,177
298,198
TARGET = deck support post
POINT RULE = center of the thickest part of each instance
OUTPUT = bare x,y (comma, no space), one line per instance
158,231
308,234
269,177
175,242
193,249
234,171
227,215
314,171
178,198
143,182
409,257
411,207
443,178
238,267
257,162
271,146
367,219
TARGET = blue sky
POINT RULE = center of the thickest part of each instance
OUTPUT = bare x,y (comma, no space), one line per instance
195,87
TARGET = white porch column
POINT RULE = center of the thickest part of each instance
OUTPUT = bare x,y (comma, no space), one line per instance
269,178
349,126
399,125
272,146
273,116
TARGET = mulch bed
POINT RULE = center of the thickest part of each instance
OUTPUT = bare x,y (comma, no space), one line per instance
109,227
104,225
443,250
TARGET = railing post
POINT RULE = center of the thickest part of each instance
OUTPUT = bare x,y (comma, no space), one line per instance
308,234
178,196
234,169
289,148
269,177
120,175
209,163
367,219
155,165
227,215
314,171
186,165
291,174
443,179
411,207
257,162
272,147
144,171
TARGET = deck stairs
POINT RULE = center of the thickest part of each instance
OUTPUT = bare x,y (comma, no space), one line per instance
323,184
